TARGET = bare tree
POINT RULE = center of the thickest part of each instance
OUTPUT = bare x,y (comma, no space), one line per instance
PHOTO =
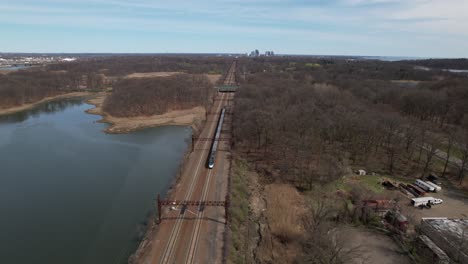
149,96
323,243
326,246
433,144
464,157
410,134
422,139
392,140
450,143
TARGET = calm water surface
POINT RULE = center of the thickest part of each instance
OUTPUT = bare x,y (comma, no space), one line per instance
70,193
15,68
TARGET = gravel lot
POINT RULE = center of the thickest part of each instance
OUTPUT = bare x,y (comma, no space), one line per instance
376,247
454,206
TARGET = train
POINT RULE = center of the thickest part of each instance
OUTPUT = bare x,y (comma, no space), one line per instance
214,146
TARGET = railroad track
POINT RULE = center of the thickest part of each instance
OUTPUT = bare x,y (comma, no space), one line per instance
175,233
195,234
231,75
196,231
179,237
195,237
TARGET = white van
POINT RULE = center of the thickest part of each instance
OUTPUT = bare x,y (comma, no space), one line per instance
436,187
424,186
425,200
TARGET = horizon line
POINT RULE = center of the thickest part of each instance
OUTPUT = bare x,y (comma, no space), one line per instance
229,53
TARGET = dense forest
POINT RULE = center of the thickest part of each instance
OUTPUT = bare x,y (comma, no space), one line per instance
24,87
150,96
310,120
123,65
460,64
303,124
95,74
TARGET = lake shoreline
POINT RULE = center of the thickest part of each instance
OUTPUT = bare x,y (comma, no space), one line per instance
193,117
152,226
24,107
129,170
121,125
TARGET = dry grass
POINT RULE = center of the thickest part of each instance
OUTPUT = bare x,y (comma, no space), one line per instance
284,211
151,74
239,211
213,77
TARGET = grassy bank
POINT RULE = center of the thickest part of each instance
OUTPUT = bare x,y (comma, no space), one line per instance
239,212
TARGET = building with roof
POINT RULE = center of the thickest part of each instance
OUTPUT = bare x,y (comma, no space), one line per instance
450,235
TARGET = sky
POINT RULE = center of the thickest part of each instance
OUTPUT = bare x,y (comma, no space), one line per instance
413,28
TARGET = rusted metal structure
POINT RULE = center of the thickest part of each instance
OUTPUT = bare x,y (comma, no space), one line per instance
227,88
200,204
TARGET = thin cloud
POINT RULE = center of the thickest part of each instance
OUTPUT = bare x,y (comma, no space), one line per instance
350,21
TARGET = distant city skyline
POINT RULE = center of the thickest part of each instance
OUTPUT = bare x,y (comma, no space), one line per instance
418,28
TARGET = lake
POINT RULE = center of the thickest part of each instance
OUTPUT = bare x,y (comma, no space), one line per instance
15,68
69,193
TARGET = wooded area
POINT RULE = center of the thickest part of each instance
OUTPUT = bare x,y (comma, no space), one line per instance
123,65
308,121
92,74
150,96
24,87
302,124
459,64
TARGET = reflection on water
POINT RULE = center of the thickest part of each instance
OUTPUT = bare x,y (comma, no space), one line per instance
46,108
70,193
16,67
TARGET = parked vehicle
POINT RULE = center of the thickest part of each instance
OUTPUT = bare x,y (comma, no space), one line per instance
433,178
396,220
408,190
423,185
425,201
417,189
436,187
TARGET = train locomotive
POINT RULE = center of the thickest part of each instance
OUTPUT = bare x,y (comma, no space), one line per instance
214,146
